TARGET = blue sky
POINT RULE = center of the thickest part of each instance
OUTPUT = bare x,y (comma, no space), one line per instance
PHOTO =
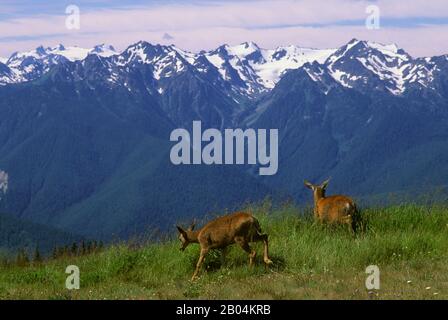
418,26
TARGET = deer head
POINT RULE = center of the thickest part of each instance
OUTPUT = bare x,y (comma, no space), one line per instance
318,190
187,236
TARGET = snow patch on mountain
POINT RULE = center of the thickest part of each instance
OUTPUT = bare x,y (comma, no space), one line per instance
190,57
218,62
243,50
277,61
70,53
103,50
341,77
260,69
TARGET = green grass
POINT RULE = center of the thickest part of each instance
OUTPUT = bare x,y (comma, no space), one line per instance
408,243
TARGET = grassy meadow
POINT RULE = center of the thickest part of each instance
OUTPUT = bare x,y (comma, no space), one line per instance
408,243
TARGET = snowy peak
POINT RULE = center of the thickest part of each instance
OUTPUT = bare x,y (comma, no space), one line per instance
366,65
146,53
103,50
143,52
260,69
30,65
281,59
232,67
77,53
165,61
242,50
358,47
389,50
70,53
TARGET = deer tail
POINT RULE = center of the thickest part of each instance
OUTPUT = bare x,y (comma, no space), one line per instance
257,227
255,231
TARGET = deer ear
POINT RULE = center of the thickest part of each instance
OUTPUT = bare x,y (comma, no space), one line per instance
182,231
325,183
192,226
308,184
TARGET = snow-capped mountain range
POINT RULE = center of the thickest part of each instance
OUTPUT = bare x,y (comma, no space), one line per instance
369,65
30,65
246,68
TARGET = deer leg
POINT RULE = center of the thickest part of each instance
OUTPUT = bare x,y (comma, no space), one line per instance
352,226
199,264
350,223
356,222
245,245
264,237
266,259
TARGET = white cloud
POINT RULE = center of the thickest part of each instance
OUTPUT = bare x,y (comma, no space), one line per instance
206,25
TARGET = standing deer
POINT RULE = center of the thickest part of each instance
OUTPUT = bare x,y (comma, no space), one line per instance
239,227
333,209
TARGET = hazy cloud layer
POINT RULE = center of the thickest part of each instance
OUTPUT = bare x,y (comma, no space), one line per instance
419,26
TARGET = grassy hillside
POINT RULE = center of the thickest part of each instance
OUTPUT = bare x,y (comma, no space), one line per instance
408,243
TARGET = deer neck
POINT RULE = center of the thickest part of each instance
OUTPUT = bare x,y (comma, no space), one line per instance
318,195
193,236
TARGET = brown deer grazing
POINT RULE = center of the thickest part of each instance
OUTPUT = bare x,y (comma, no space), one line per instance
239,227
333,209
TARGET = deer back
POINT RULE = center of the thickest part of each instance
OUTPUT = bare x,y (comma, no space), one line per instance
335,208
222,231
